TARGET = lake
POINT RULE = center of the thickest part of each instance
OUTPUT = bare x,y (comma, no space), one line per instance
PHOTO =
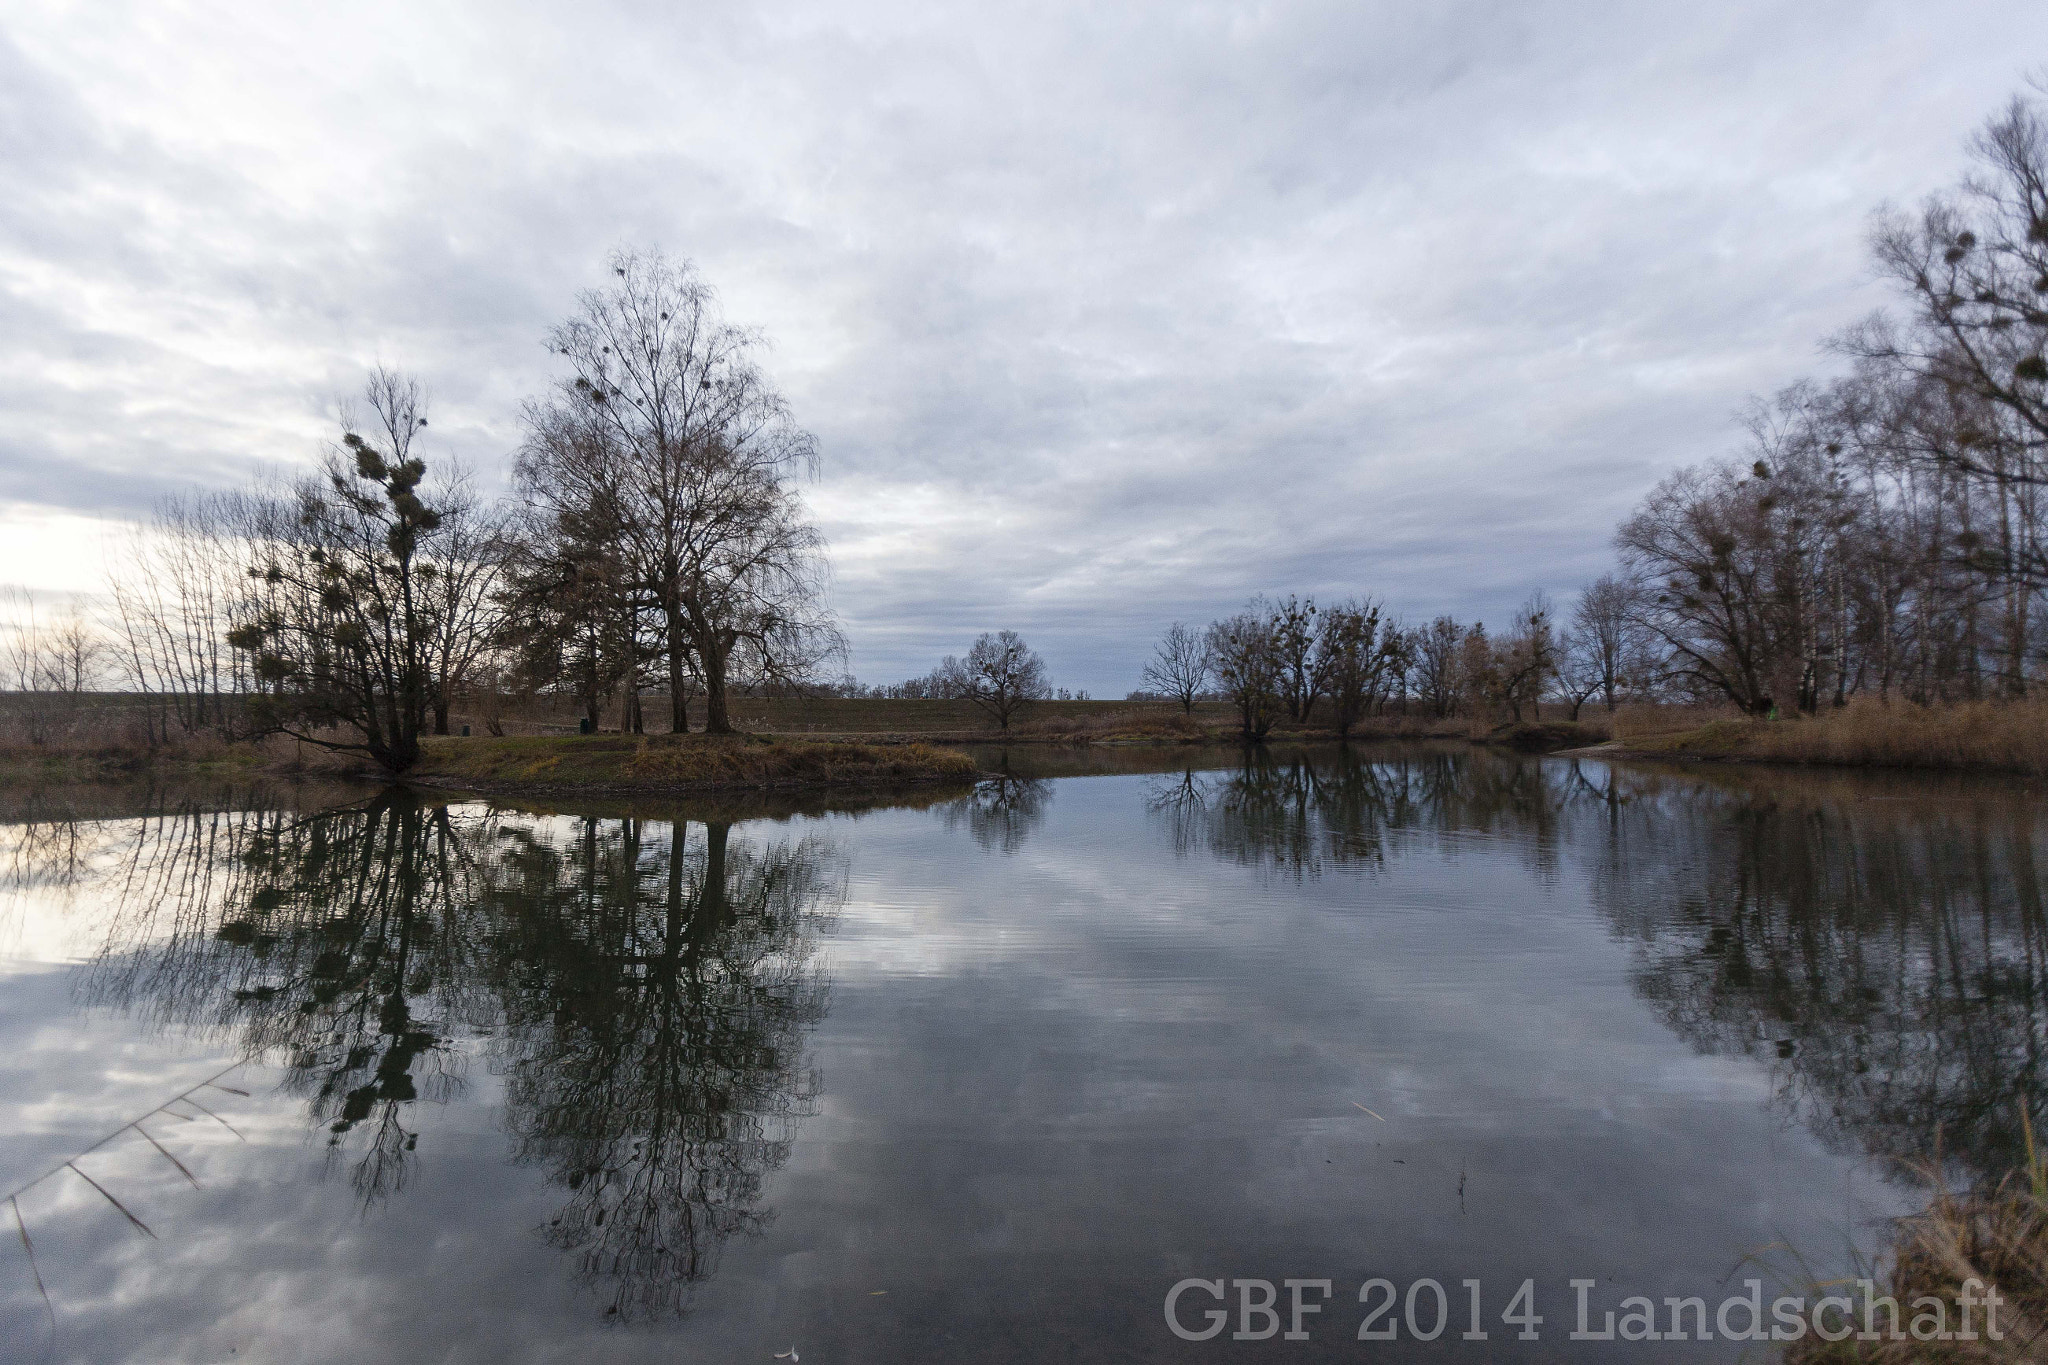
985,1077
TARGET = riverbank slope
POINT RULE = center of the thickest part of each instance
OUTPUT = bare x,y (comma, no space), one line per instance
527,764
2006,737
650,764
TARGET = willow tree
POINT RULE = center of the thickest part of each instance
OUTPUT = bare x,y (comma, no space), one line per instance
668,445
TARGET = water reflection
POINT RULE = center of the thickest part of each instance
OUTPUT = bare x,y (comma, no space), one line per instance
1884,954
636,1002
655,990
1004,807
643,988
1302,811
342,943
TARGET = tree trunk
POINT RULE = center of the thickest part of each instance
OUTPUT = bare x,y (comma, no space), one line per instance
711,653
711,901
678,654
678,834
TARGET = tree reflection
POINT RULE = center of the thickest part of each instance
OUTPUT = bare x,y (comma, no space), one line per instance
1882,954
1879,945
337,942
645,989
1301,812
1002,809
656,988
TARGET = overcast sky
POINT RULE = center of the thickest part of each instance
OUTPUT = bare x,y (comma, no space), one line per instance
1102,315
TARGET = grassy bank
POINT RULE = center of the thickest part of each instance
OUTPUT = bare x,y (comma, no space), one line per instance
897,720
1996,1237
118,758
2007,737
1133,723
630,764
849,743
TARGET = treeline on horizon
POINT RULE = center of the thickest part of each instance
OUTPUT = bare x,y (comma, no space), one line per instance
1881,536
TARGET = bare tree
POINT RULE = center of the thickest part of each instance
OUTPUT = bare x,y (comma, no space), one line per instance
22,667
50,660
1478,670
669,431
1971,264
1597,649
1700,546
1744,570
1525,658
74,654
1001,675
1437,650
469,559
178,585
1247,669
346,637
1293,632
1180,666
1357,657
573,594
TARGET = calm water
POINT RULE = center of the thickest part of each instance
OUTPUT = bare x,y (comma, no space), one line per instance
981,1079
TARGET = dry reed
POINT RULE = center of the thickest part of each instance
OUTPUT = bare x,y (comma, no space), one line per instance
1997,1238
2007,736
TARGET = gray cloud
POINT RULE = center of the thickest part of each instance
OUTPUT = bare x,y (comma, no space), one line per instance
1101,318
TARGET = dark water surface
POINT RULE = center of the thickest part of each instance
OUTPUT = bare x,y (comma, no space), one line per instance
982,1078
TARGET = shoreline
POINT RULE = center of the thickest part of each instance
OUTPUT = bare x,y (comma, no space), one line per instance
1680,759
625,766
1962,740
609,765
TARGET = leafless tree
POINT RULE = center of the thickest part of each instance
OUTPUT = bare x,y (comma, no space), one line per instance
1744,571
1358,657
1970,265
1479,668
1599,646
1001,675
51,660
1246,665
1525,658
177,585
346,637
1180,666
1293,631
1437,651
668,430
469,557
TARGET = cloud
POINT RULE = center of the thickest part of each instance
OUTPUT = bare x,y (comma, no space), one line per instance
1101,319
